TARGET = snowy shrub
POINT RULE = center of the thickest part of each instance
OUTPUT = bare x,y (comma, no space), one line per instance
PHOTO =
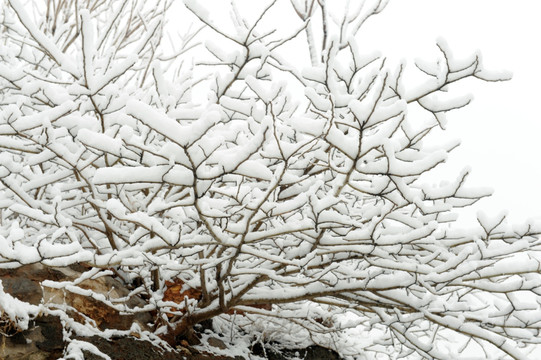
279,174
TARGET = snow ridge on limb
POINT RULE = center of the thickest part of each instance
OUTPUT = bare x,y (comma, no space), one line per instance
45,43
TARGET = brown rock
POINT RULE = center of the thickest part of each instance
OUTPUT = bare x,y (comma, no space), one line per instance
42,341
314,352
105,317
24,283
23,289
177,290
128,348
217,343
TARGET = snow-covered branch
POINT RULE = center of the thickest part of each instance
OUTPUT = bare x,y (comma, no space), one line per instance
266,183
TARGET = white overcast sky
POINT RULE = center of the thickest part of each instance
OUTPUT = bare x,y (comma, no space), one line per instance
501,129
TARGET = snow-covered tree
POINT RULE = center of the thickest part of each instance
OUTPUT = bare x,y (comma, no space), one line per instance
277,172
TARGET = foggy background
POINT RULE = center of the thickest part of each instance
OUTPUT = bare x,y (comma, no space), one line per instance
501,128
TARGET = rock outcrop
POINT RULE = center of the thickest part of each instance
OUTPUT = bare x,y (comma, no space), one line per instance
53,288
25,283
42,341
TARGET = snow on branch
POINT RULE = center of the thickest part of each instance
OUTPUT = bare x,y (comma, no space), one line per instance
289,190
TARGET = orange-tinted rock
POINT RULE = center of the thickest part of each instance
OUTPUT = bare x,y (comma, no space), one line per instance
25,283
177,290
